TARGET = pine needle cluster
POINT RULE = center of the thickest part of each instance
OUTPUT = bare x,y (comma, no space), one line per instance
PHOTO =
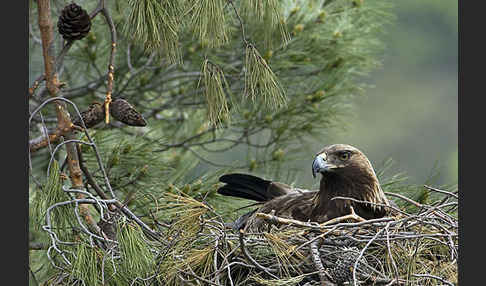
215,83
154,24
261,84
265,18
209,21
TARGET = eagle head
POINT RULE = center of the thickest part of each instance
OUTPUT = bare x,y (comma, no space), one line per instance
346,172
342,159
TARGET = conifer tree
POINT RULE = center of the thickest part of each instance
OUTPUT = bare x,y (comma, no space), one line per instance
132,112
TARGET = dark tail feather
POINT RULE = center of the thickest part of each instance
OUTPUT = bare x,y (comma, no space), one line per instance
245,186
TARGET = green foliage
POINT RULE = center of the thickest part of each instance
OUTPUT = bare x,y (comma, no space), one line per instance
213,79
260,82
85,267
264,18
154,23
61,217
208,20
137,260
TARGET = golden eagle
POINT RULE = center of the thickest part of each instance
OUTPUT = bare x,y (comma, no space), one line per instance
346,172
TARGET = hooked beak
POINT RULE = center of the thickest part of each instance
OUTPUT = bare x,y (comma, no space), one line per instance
319,165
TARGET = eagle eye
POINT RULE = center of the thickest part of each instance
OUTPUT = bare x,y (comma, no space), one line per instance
343,156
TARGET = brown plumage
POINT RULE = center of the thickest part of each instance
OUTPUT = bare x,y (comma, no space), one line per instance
346,172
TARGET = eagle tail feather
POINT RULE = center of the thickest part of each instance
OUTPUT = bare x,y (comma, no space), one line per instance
245,186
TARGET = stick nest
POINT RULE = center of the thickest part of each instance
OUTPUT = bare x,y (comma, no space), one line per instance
197,246
416,248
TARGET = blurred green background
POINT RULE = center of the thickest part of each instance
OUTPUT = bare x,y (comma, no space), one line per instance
411,113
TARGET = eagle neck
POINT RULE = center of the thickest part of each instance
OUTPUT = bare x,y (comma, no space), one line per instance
363,188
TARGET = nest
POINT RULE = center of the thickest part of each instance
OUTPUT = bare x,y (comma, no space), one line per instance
418,248
190,243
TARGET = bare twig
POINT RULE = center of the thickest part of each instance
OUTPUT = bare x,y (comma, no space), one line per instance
316,258
111,63
434,277
248,256
441,191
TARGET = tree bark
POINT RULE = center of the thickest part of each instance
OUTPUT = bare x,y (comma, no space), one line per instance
63,117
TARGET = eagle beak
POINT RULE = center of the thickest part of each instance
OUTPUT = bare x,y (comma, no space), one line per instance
320,165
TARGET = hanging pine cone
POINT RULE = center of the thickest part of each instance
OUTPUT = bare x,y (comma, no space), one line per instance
123,111
92,116
74,22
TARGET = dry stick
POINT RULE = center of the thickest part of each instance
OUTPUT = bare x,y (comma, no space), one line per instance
313,239
434,277
412,259
361,255
441,191
405,199
90,179
111,67
124,209
52,84
314,225
44,141
389,251
215,261
316,258
195,276
248,256
273,219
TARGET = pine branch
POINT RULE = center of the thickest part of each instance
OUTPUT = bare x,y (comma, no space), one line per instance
63,117
60,57
111,63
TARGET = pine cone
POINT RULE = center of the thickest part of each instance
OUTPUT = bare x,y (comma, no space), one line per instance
123,111
92,116
74,22
343,270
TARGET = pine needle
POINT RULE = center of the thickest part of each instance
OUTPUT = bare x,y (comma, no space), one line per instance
279,282
186,212
85,267
260,81
62,216
137,258
154,24
208,22
283,250
213,79
266,17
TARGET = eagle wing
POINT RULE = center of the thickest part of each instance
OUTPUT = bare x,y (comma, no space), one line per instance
252,188
283,199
